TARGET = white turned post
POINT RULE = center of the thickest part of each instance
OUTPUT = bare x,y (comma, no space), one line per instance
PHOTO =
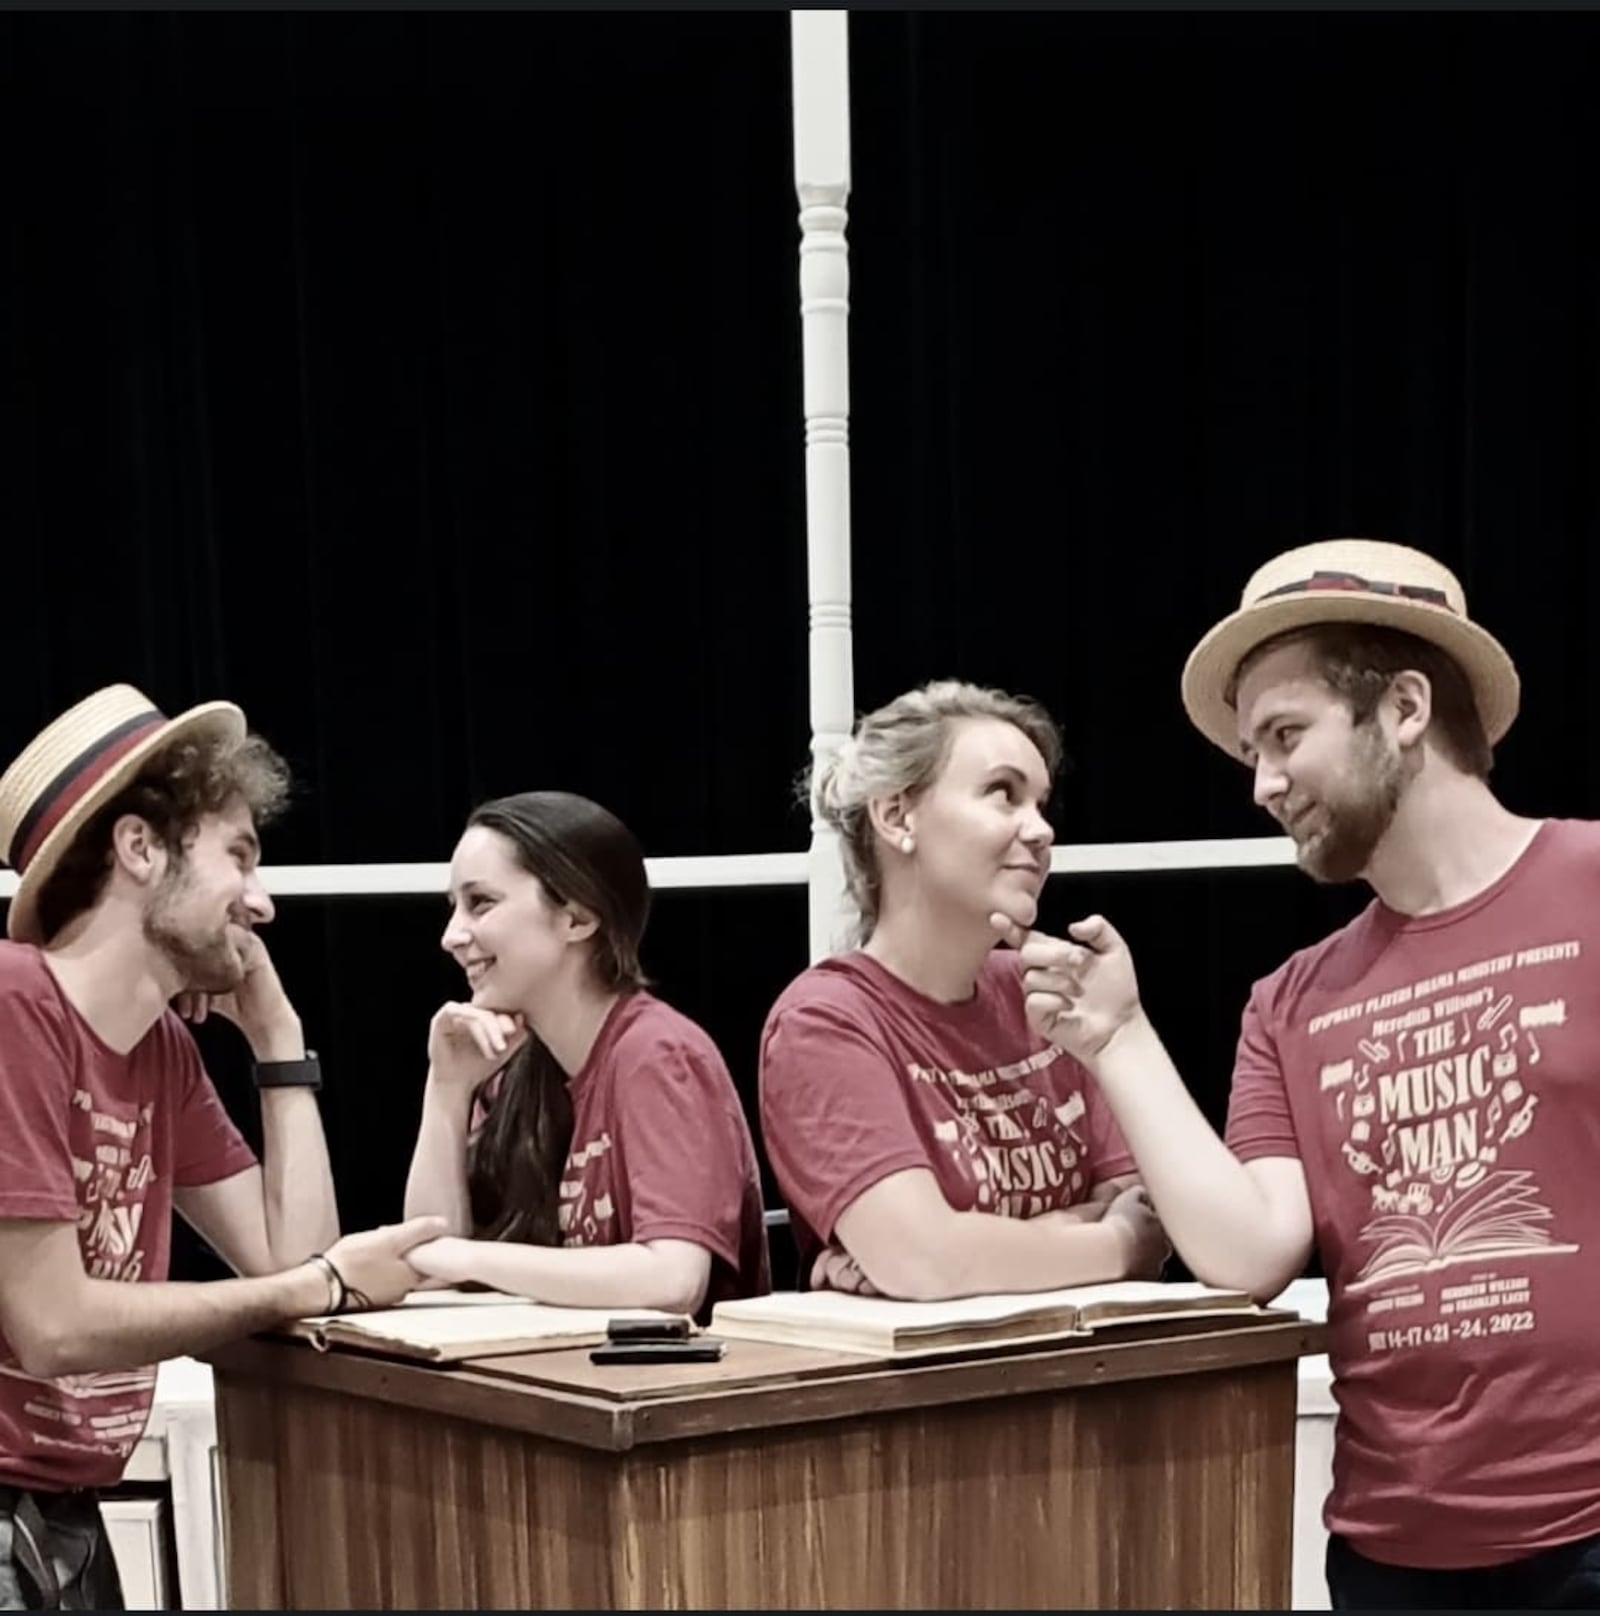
821,61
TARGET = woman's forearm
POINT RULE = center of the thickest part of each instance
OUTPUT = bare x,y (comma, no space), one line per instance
668,1274
437,1183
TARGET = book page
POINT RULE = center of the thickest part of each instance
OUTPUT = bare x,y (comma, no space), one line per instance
436,1326
444,1297
825,1309
1154,1293
836,1309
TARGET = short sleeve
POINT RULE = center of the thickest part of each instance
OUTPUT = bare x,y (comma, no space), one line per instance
832,1113
36,1179
684,1147
1260,1123
206,1146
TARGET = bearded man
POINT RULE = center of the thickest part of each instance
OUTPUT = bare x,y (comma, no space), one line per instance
1417,1097
135,841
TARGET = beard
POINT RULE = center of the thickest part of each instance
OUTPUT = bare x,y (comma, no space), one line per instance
206,962
1343,831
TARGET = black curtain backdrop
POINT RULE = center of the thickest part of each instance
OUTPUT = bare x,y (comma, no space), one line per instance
429,384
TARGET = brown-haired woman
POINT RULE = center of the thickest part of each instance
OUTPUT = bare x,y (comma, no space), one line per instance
587,1134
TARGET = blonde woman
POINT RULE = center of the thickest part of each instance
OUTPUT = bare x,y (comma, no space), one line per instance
928,1142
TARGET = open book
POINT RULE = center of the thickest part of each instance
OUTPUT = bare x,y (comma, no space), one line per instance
882,1328
447,1326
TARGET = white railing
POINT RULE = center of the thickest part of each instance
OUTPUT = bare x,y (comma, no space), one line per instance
721,872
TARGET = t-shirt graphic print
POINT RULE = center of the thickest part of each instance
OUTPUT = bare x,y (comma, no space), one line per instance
1439,1079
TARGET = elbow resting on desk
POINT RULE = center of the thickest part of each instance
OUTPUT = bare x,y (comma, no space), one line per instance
914,1275
676,1278
684,1299
1251,1230
1261,1261
1262,1275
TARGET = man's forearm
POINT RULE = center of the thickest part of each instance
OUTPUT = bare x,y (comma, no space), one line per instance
1213,1211
437,1182
110,1325
302,1212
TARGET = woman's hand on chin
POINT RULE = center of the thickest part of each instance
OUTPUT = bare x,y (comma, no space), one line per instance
467,1043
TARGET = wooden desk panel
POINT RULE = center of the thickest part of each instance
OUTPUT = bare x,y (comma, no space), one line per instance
1145,1473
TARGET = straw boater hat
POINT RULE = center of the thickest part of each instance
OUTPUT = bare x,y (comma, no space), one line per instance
72,769
1348,581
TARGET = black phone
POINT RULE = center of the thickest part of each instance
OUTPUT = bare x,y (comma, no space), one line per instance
703,1349
648,1329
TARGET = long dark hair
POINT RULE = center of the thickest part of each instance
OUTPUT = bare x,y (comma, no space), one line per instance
583,855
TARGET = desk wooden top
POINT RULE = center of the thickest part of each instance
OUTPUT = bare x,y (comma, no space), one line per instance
615,1407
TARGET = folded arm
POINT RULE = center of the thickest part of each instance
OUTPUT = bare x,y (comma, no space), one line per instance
911,1244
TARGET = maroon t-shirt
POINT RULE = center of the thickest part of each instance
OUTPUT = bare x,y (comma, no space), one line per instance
101,1140
661,1149
1439,1080
862,1076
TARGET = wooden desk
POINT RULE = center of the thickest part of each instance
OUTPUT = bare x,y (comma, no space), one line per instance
1147,1467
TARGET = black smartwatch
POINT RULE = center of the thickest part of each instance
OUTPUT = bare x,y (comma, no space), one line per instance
295,1074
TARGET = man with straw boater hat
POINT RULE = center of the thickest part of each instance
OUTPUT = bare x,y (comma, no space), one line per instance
1415,1098
134,837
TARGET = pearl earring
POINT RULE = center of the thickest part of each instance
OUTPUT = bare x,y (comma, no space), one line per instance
908,843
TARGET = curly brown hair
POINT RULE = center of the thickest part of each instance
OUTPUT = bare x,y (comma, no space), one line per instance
172,793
